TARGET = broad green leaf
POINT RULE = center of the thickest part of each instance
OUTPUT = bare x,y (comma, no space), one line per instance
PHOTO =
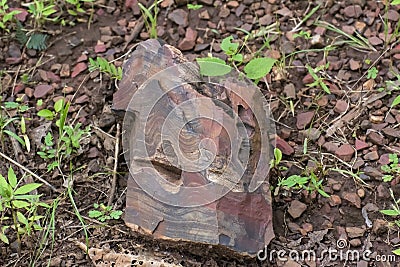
390,212
26,188
396,101
4,238
23,125
238,58
228,47
11,105
19,204
95,213
393,3
12,178
212,66
59,105
116,214
277,155
47,114
259,67
22,218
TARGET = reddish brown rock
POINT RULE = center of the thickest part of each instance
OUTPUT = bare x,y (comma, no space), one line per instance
304,119
331,146
354,64
80,67
284,146
376,138
189,41
353,11
100,48
360,145
335,200
341,106
345,152
296,208
354,232
353,198
375,40
179,16
373,155
42,90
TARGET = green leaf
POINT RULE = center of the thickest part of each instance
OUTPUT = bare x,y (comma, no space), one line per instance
396,101
95,213
116,214
27,188
4,238
194,7
228,47
277,155
22,218
390,212
11,105
19,204
15,136
48,140
59,105
238,58
12,178
259,67
212,66
47,114
393,3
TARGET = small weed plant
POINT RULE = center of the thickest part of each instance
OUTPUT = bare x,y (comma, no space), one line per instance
318,80
69,136
392,169
106,67
254,69
15,199
394,212
6,16
104,213
150,17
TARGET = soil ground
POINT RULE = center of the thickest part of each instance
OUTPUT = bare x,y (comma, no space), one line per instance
353,128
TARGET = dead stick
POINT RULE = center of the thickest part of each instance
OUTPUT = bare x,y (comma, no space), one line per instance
29,171
114,180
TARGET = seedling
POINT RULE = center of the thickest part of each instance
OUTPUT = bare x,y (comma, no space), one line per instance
69,136
104,66
309,182
304,34
103,213
23,206
77,6
194,7
372,73
150,17
42,11
318,81
395,213
6,15
392,169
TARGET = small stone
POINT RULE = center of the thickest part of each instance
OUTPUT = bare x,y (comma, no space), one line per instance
358,164
266,20
21,16
240,10
376,138
42,90
285,12
376,119
331,146
353,198
379,227
304,119
93,153
284,146
391,132
100,48
353,11
296,208
308,79
335,200
67,90
393,15
285,133
106,120
317,40
204,15
337,187
360,26
373,155
345,152
82,99
384,159
224,12
78,69
361,192
323,101
375,40
354,64
233,4
362,263
290,91
65,71
179,16
308,227
354,232
373,172
365,125
360,145
355,242
341,106
189,41
291,263
349,29
382,192
29,92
